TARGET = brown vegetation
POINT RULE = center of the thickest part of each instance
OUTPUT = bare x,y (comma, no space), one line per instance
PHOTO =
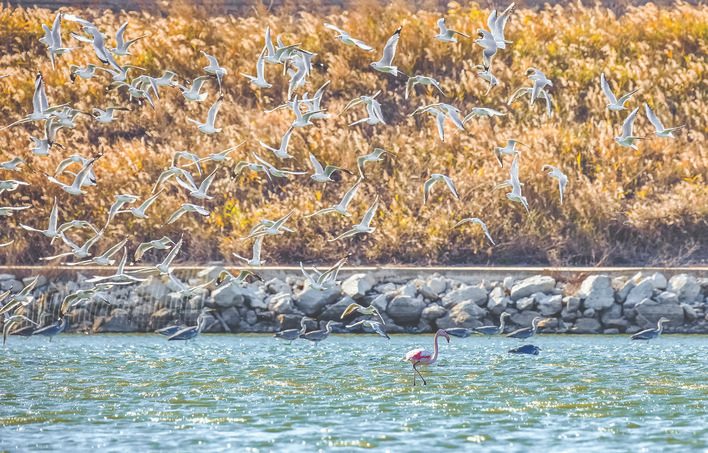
621,206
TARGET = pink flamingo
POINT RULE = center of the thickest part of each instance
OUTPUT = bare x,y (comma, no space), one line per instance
423,357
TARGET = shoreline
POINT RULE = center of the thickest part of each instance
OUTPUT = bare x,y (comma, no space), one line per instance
600,303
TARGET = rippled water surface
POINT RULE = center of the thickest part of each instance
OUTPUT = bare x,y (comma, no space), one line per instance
352,392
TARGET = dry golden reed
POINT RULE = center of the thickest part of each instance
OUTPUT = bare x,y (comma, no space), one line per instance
621,206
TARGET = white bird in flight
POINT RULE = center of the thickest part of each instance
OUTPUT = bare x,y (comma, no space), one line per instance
282,152
259,80
256,260
478,222
187,207
340,208
364,226
422,80
384,64
214,69
435,177
324,174
208,127
554,172
509,149
122,45
660,131
627,139
515,194
348,40
446,34
615,104
375,156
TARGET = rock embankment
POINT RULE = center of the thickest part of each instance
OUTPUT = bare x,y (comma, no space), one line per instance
599,305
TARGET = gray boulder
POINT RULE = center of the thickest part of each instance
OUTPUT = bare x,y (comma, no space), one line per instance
425,291
498,301
667,297
686,286
119,321
597,293
689,313
281,304
409,290
643,290
525,303
550,306
524,318
285,322
531,285
232,319
227,296
623,291
585,326
312,301
357,285
614,312
334,312
649,312
572,303
658,280
508,283
432,311
153,289
381,303
469,307
161,318
437,285
405,309
277,286
465,293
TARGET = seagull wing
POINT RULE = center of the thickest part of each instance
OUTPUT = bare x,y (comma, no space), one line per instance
653,119
369,216
390,49
629,124
316,164
349,310
211,116
451,185
606,89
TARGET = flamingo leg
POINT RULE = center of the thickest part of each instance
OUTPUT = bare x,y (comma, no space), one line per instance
421,376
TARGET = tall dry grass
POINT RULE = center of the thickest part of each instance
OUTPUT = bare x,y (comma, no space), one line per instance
621,206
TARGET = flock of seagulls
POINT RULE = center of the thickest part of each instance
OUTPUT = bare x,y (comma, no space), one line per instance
297,64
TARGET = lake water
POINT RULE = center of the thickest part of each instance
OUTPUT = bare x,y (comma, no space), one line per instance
352,392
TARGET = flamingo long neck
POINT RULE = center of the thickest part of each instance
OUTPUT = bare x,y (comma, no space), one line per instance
328,328
435,351
303,327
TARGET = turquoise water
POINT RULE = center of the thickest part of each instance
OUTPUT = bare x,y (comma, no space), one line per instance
352,392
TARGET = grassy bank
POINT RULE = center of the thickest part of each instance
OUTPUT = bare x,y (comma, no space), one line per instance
621,206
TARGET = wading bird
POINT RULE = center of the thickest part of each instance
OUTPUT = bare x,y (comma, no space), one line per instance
52,329
293,334
526,332
493,330
319,335
423,357
194,331
650,334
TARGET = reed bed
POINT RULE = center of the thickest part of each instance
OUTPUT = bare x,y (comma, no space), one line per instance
621,206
